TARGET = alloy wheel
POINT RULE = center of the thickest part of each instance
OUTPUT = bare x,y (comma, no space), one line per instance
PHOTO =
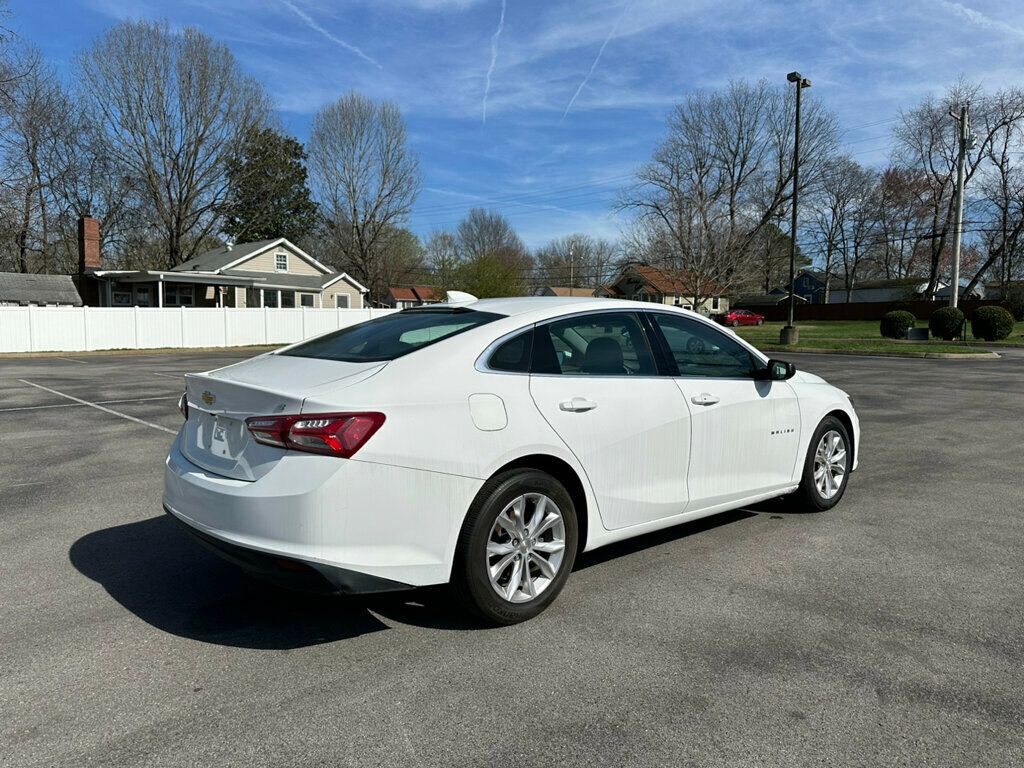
525,548
830,464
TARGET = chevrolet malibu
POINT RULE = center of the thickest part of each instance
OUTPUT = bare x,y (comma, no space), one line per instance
487,443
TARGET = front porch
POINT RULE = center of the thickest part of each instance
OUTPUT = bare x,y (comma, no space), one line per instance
175,289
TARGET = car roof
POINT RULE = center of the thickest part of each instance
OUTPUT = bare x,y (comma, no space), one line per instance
557,305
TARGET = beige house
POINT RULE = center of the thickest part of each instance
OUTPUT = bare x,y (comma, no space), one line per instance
267,273
642,282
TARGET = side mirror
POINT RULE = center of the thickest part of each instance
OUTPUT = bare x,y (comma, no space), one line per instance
777,370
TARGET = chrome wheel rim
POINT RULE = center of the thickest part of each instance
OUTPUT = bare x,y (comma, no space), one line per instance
830,464
525,548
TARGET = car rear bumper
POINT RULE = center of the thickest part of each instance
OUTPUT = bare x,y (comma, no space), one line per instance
359,526
288,572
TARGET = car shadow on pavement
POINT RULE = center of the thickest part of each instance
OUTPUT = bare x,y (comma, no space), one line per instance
157,572
665,535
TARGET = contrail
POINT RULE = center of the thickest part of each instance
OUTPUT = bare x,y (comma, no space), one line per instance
494,57
593,66
981,20
333,38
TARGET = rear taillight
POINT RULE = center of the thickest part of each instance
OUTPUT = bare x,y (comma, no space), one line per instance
330,434
183,405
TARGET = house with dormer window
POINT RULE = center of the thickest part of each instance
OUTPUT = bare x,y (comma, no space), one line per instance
267,273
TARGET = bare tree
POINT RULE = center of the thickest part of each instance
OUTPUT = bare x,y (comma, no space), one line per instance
577,260
366,179
903,221
723,173
998,198
926,141
172,106
493,259
441,254
35,111
843,220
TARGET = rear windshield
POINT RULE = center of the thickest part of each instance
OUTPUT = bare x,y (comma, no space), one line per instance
392,336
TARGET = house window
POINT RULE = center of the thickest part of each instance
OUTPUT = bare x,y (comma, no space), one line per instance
176,295
122,298
306,299
715,304
270,299
281,262
142,295
287,299
341,300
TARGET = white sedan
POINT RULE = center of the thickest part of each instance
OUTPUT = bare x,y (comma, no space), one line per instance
486,443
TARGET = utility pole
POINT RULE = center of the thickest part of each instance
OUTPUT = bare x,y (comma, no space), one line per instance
789,334
963,121
572,270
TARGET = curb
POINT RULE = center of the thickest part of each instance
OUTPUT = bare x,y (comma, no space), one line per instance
897,355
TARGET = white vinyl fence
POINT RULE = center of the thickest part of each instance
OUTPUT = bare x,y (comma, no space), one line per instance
79,329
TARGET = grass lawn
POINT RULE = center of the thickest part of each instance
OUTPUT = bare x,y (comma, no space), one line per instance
858,336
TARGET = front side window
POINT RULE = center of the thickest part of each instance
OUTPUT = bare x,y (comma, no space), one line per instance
700,350
605,344
392,336
281,262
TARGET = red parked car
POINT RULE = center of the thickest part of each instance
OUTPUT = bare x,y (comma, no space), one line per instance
736,317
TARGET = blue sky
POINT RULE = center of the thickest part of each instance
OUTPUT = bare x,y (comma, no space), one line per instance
543,110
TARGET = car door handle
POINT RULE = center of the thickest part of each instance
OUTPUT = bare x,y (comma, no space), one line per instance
704,398
577,405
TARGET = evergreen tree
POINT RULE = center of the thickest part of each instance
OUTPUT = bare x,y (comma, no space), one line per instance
267,192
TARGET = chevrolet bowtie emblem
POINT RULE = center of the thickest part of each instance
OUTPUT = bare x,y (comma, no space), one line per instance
209,398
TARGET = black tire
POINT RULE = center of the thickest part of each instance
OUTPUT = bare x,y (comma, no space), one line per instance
470,582
734,323
808,495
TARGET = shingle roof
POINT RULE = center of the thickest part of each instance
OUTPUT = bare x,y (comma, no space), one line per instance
402,294
219,257
767,299
416,293
309,282
667,281
19,288
562,290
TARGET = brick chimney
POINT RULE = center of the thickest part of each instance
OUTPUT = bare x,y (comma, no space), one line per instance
88,245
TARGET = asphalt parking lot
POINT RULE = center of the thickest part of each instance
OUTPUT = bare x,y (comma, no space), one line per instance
889,631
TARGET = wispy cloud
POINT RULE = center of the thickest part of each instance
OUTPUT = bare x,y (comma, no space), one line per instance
981,20
494,58
312,24
593,66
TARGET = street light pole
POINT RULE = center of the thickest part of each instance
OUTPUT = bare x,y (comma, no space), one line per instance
790,335
963,131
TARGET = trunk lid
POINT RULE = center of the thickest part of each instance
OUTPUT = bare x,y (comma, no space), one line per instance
215,436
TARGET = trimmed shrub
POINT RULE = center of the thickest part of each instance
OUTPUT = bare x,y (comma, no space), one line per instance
945,323
991,323
1014,301
895,324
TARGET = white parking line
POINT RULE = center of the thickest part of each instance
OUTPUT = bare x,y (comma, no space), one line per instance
79,405
98,407
71,360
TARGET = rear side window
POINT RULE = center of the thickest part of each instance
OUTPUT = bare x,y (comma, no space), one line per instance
392,336
514,354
